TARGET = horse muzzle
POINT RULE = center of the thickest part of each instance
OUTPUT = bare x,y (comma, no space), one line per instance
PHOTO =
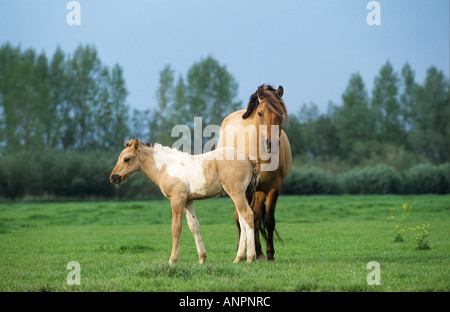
115,178
272,147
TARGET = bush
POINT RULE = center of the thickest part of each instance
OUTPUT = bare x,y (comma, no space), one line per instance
380,179
308,181
67,175
86,175
427,178
12,178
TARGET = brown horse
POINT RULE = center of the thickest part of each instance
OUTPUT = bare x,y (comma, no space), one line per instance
250,131
184,178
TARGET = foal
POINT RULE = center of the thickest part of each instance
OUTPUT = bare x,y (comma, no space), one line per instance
184,178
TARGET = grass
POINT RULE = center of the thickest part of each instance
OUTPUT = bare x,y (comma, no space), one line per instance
125,246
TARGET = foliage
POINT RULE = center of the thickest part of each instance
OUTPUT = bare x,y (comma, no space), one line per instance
422,236
379,179
394,141
73,102
427,178
401,117
309,181
63,175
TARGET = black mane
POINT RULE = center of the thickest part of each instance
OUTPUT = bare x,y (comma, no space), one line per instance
253,100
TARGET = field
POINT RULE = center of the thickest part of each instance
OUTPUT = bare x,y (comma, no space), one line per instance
125,246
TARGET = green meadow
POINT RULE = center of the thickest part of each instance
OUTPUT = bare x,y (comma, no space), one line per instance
327,243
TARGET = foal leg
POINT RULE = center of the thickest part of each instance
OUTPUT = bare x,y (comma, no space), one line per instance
192,221
178,205
246,221
242,235
238,225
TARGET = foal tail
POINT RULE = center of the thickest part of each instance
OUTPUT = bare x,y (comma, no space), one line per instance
251,188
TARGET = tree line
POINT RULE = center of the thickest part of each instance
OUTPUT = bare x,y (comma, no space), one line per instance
401,123
63,119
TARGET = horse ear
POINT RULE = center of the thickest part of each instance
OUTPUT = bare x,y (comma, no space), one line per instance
136,144
128,143
260,93
280,91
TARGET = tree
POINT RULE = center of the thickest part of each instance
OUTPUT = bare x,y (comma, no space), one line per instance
140,124
112,115
22,98
179,112
386,106
161,123
210,92
10,59
407,100
58,110
87,76
97,114
295,129
354,120
430,135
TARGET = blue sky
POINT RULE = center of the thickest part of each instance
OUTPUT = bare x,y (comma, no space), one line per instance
309,47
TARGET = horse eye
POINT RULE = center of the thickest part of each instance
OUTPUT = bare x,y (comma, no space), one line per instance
259,114
126,160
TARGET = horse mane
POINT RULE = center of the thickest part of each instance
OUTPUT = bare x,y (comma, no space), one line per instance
273,101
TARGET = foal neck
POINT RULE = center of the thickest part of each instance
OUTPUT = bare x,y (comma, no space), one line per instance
155,159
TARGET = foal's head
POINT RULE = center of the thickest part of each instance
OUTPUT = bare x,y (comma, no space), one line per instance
267,108
128,162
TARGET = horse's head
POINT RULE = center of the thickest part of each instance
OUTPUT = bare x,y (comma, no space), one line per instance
128,162
267,107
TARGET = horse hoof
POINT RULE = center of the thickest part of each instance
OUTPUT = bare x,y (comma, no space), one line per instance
261,257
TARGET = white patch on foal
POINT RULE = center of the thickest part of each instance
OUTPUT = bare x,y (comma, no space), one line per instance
180,165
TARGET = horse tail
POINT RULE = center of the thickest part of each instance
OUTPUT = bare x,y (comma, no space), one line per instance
251,188
262,226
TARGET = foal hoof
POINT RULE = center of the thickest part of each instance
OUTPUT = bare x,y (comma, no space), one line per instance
239,259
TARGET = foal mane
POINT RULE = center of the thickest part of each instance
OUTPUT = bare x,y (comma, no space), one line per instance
130,142
273,101
160,147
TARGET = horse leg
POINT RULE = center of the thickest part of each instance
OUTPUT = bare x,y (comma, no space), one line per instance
177,217
246,221
258,208
192,221
269,221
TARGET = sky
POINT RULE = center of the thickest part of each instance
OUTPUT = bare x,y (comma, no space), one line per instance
311,48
